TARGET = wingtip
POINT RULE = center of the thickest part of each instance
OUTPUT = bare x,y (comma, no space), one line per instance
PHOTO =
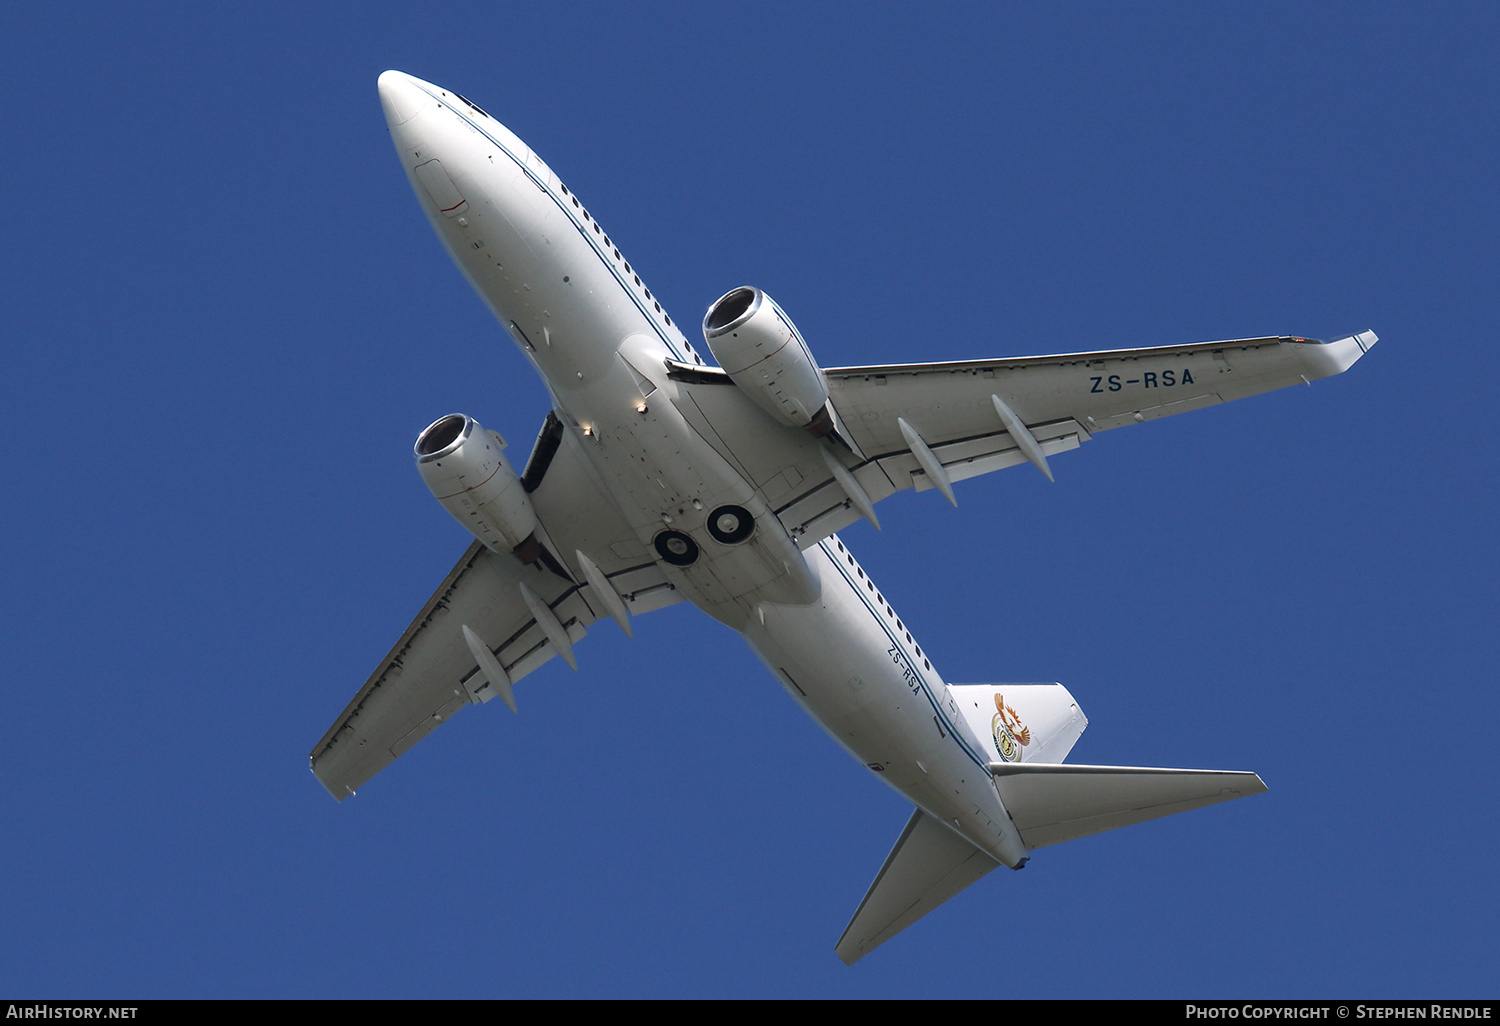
1339,355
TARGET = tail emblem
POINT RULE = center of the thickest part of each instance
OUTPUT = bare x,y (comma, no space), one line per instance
1010,735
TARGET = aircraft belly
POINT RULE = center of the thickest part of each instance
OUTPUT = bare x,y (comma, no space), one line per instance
544,279
668,479
849,666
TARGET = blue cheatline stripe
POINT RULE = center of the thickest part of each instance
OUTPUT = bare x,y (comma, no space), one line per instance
604,255
958,735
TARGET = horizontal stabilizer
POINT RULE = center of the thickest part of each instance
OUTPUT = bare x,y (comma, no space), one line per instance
928,865
1052,804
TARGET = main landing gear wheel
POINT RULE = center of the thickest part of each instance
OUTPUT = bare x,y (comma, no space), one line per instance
731,525
676,548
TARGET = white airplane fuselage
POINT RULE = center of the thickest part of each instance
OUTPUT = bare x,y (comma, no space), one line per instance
600,340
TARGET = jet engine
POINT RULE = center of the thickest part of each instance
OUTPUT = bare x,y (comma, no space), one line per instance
467,471
763,353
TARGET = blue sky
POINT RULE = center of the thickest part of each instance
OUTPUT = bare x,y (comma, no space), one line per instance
226,320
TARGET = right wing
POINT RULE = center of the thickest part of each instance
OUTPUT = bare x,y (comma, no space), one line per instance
1057,402
431,672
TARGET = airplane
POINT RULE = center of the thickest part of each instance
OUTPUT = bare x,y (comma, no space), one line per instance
660,477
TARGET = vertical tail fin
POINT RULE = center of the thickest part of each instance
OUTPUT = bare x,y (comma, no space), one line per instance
1021,722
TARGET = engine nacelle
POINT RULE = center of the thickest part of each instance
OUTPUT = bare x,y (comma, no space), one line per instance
468,473
763,353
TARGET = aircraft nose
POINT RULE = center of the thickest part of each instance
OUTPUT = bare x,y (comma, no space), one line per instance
401,98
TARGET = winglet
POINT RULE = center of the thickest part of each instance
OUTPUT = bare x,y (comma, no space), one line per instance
1329,358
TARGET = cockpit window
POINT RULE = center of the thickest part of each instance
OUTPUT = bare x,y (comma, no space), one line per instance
471,103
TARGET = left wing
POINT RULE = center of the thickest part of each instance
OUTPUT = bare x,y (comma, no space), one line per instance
434,669
926,425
